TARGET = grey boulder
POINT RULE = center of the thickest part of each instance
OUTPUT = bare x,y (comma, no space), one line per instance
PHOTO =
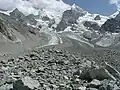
26,83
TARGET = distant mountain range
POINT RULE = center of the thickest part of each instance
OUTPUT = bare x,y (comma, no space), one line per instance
57,26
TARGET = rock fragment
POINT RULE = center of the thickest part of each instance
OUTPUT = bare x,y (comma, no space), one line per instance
95,73
94,84
26,83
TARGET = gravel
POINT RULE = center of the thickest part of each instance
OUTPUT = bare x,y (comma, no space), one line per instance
53,69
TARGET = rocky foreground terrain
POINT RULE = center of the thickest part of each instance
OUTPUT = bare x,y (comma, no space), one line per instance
52,68
58,48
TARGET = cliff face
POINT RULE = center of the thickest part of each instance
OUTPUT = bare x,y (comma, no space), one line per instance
16,36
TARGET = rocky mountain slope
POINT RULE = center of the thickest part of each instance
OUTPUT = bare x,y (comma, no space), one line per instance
51,68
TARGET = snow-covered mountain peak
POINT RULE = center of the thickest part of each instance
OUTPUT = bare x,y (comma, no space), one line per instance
92,18
74,6
114,14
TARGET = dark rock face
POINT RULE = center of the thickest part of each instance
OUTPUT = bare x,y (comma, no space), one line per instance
8,27
45,18
16,14
51,22
5,30
91,25
118,17
31,19
70,17
97,17
19,16
111,25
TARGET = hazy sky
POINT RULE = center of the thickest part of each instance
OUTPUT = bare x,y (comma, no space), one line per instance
105,7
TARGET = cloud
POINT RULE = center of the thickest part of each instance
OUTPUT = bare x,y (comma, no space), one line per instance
24,6
116,3
8,4
28,6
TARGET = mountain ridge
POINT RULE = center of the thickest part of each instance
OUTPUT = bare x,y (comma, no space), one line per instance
72,19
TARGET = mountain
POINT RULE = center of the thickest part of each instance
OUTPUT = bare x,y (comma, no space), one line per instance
70,17
50,45
55,22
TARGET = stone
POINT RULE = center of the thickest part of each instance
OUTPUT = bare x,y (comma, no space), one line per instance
3,61
102,88
9,80
96,73
21,57
30,82
116,87
109,85
101,74
18,85
82,88
91,89
77,72
87,35
94,84
87,63
6,87
26,83
65,77
112,70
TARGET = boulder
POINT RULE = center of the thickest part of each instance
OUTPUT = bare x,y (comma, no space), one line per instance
87,35
82,88
91,89
26,83
109,87
94,84
6,87
96,73
112,70
101,74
